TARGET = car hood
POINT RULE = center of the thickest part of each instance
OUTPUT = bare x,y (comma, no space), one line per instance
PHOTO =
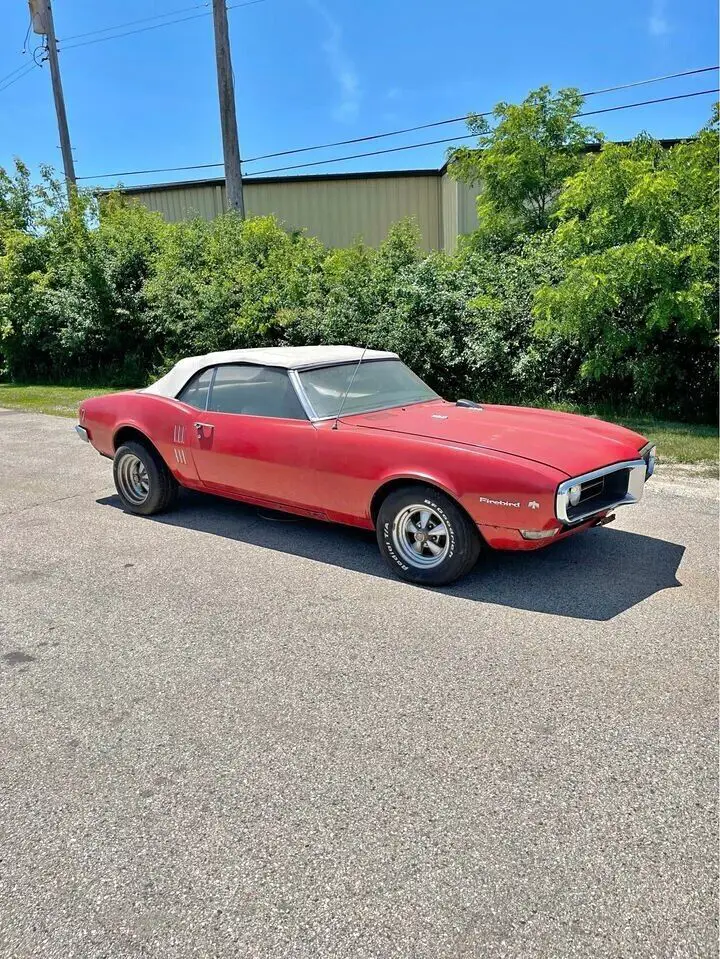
569,443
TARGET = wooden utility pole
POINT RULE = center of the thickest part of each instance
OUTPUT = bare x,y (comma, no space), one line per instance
228,119
42,23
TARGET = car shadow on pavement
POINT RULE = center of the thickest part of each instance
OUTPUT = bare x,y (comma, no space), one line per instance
593,576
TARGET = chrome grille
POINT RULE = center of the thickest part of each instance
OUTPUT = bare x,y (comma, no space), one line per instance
601,490
592,488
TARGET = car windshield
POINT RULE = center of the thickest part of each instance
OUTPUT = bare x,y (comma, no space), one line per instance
377,385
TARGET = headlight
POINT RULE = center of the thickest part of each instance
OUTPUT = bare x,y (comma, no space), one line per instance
574,494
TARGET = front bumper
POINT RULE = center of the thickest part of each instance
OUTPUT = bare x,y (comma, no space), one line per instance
500,537
82,433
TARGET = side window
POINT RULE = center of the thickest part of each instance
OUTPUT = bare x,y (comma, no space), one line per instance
255,391
195,392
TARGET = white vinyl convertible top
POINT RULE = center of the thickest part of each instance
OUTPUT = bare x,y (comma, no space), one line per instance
287,357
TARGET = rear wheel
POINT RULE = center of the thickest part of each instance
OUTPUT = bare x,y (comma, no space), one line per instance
425,537
144,483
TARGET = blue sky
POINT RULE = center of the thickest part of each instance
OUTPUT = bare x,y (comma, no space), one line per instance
312,71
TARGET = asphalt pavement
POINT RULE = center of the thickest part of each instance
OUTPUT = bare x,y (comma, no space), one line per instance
223,735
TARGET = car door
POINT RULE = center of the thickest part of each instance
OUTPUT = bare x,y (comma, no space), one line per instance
254,439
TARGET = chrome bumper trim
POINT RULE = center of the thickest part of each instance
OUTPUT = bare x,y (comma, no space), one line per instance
636,485
82,433
645,452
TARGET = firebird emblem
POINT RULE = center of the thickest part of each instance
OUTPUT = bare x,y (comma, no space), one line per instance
498,502
533,504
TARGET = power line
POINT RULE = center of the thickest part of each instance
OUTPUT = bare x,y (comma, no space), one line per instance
640,83
371,153
642,103
118,26
373,136
27,34
421,126
23,70
28,68
487,113
132,23
157,26
43,58
208,166
129,33
71,46
470,136
22,67
12,73
164,169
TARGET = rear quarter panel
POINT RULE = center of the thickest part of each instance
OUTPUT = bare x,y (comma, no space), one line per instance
165,422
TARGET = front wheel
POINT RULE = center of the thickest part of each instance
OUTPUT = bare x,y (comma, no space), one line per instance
425,537
144,483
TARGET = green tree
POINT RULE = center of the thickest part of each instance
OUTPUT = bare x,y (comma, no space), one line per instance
229,284
356,286
639,230
395,298
16,199
507,362
522,162
72,283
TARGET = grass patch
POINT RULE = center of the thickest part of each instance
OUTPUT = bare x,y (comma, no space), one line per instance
689,443
56,400
679,442
686,443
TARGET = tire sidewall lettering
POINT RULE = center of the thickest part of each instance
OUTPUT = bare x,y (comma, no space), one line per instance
451,529
389,547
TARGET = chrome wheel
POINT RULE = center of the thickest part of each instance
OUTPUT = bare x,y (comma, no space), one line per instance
133,480
420,536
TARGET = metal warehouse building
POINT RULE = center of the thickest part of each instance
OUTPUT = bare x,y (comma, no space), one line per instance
337,208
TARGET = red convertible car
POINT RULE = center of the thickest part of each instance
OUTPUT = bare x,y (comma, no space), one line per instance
352,436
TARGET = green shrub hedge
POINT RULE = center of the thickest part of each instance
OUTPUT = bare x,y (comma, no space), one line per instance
614,306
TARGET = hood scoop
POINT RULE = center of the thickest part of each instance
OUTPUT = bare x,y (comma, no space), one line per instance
469,404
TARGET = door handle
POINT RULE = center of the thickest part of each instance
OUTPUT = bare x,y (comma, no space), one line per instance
201,427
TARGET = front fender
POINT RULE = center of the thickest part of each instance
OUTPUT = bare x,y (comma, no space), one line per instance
441,479
495,489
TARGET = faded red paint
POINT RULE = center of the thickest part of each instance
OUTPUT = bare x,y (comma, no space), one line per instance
502,454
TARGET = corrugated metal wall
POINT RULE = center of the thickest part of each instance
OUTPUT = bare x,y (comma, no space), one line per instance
467,208
205,200
335,210
449,208
340,211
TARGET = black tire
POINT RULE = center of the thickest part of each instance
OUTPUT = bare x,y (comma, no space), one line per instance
460,544
144,483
